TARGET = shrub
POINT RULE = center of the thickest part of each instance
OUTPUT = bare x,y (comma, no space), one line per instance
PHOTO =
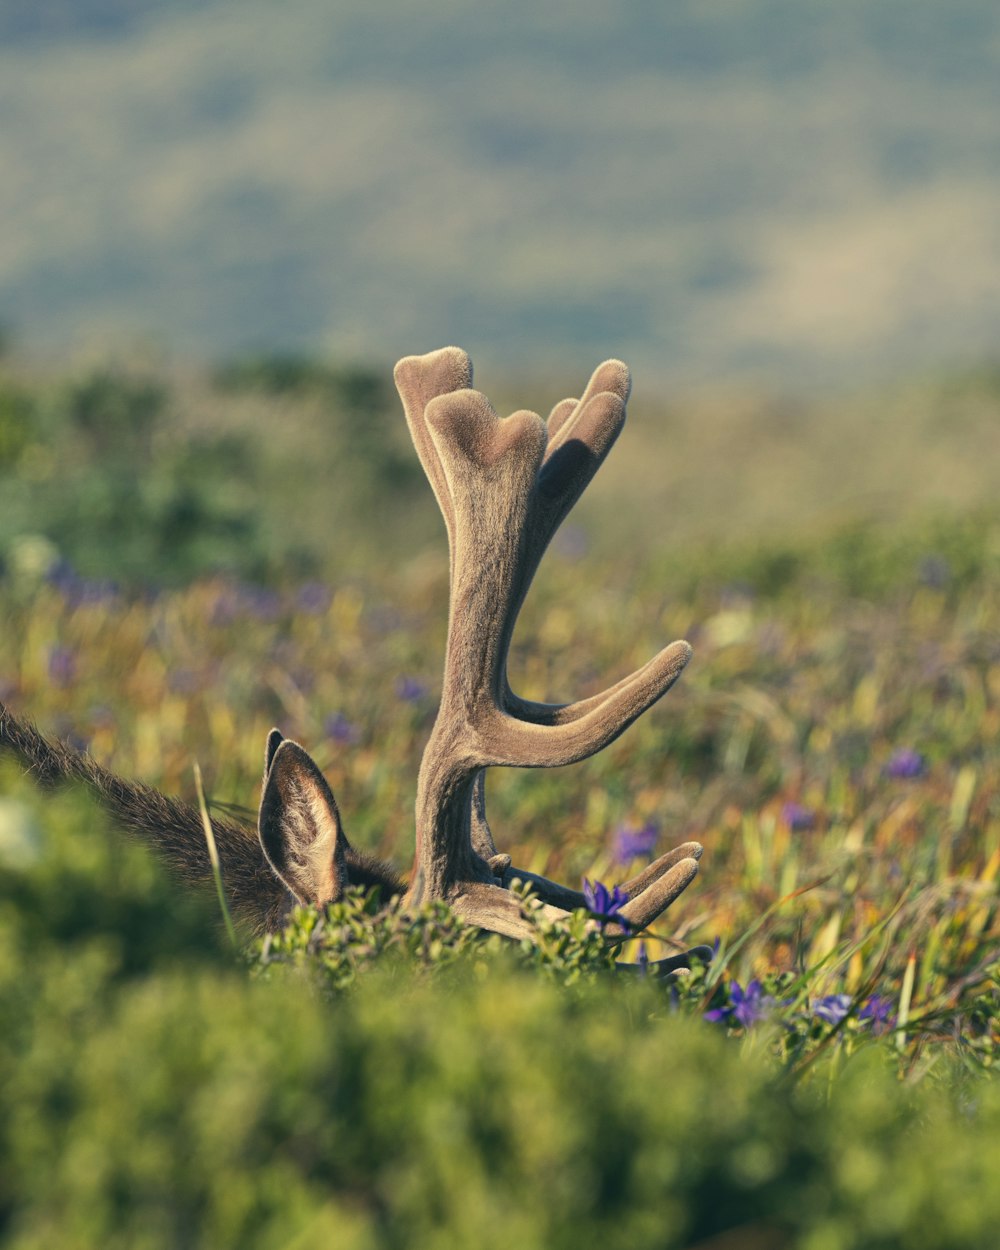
155,1097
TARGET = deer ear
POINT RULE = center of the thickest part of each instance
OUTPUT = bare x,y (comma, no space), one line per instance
274,740
299,825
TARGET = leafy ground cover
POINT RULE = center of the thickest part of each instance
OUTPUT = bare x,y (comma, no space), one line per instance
157,1095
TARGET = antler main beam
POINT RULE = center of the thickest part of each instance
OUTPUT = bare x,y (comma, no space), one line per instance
504,486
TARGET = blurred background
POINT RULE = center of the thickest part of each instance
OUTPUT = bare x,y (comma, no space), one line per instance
798,192
223,222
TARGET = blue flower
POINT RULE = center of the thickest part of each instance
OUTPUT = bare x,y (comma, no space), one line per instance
605,903
833,1008
798,818
905,763
77,590
571,542
313,597
339,729
746,1006
62,666
632,843
410,690
260,603
183,681
878,1012
934,571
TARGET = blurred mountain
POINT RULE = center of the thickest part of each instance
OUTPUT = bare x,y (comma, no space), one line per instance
804,192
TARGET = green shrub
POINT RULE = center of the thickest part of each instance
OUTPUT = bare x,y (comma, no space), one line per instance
371,456
155,1097
98,468
16,415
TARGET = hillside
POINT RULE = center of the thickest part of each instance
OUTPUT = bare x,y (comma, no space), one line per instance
802,192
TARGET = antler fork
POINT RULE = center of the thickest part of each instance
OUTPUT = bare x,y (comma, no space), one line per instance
504,486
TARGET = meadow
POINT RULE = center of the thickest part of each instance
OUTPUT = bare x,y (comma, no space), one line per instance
278,561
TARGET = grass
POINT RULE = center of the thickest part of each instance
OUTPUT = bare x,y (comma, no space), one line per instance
836,754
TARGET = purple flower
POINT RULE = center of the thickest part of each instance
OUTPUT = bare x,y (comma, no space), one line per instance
833,1008
746,1006
102,716
571,542
632,843
62,666
410,690
339,729
604,902
878,1012
313,597
798,818
183,681
905,763
260,603
241,599
935,571
77,590
642,959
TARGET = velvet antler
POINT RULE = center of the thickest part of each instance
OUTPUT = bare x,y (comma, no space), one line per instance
504,486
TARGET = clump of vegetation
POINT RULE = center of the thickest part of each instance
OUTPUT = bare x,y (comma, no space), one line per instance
359,411
156,1095
97,467
120,475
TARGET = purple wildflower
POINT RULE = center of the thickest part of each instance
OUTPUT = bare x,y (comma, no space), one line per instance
571,542
225,608
905,763
746,1006
102,717
339,729
260,603
183,681
833,1008
77,590
798,818
934,571
878,1012
410,690
62,666
313,597
605,903
632,843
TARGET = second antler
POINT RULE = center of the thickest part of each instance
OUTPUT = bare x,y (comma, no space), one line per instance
504,486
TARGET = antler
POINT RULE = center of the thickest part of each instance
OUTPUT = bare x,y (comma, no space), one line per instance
504,486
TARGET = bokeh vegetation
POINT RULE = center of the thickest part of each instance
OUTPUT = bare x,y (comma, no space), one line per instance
808,190
833,745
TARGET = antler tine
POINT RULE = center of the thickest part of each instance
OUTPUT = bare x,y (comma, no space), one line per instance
570,900
687,850
657,897
612,377
419,379
570,733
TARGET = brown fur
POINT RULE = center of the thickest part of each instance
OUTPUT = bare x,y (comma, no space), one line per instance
259,901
